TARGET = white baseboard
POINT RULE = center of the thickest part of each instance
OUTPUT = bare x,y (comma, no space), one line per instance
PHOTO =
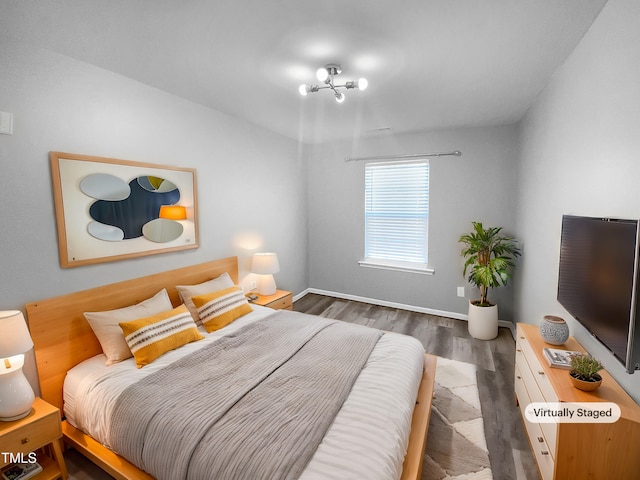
384,303
301,294
401,306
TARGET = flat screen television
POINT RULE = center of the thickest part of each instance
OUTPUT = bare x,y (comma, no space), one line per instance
598,282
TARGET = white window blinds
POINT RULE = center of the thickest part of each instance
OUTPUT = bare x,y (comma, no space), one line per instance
397,213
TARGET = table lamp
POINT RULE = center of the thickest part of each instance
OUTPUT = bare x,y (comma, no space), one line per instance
265,265
16,394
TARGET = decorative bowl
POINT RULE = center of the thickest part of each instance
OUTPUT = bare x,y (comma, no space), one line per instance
554,330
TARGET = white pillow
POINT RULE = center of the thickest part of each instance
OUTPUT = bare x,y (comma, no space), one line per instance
188,291
106,325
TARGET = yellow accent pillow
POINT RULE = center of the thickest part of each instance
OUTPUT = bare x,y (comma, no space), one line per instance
220,308
150,337
187,292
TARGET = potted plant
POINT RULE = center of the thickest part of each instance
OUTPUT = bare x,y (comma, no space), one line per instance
584,372
489,257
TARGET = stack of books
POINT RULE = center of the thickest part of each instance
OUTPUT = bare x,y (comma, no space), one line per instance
558,358
21,471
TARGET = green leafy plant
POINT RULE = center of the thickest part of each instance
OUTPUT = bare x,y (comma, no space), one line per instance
489,256
585,367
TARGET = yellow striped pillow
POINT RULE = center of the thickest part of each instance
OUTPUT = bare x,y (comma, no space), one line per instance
150,337
220,308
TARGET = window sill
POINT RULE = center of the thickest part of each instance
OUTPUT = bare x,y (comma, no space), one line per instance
397,266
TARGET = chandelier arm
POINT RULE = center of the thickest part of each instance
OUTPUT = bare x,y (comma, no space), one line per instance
332,70
315,88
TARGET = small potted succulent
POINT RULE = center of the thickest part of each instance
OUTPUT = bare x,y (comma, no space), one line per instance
584,372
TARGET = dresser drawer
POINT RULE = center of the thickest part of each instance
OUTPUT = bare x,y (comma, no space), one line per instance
533,376
284,303
543,452
526,380
32,436
540,377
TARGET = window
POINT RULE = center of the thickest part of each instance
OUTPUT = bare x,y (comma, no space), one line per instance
397,216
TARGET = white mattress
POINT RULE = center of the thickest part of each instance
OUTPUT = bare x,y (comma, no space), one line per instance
367,440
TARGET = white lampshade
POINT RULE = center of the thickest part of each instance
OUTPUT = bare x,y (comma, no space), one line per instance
14,334
265,265
16,394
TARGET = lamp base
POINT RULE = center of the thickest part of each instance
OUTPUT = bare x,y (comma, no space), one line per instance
16,394
16,417
266,285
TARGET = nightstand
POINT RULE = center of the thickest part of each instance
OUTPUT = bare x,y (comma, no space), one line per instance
41,428
281,300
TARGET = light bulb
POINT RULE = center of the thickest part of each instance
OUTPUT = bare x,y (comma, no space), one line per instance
322,74
363,83
303,89
340,97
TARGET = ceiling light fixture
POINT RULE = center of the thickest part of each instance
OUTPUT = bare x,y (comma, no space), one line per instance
326,75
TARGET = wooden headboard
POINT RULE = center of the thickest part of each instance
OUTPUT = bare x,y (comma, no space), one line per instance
62,337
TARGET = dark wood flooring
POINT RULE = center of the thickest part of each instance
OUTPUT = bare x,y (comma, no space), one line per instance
509,450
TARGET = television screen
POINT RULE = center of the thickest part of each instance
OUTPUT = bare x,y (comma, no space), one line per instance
596,278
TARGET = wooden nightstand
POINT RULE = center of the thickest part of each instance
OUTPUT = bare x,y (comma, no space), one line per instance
281,300
41,428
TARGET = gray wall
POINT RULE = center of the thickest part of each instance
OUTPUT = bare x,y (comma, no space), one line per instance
251,193
479,185
580,148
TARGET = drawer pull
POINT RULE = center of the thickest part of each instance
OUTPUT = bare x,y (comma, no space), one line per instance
24,441
540,373
518,350
518,377
540,439
544,452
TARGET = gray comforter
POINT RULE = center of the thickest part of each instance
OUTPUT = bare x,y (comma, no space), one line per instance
252,405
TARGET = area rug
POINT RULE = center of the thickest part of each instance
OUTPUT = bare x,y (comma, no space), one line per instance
456,443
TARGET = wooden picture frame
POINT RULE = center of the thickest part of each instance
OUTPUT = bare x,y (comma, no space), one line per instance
125,196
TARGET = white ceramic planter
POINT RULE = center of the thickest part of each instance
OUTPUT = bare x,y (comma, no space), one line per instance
483,322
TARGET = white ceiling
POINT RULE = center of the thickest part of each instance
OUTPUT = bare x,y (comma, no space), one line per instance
430,63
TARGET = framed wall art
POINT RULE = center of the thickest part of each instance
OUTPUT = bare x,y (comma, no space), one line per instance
109,209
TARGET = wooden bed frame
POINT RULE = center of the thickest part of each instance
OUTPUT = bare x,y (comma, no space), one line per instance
63,338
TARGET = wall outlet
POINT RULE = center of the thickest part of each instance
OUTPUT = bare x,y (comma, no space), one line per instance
253,285
461,291
6,123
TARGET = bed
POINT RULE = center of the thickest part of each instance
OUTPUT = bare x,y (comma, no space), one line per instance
64,342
